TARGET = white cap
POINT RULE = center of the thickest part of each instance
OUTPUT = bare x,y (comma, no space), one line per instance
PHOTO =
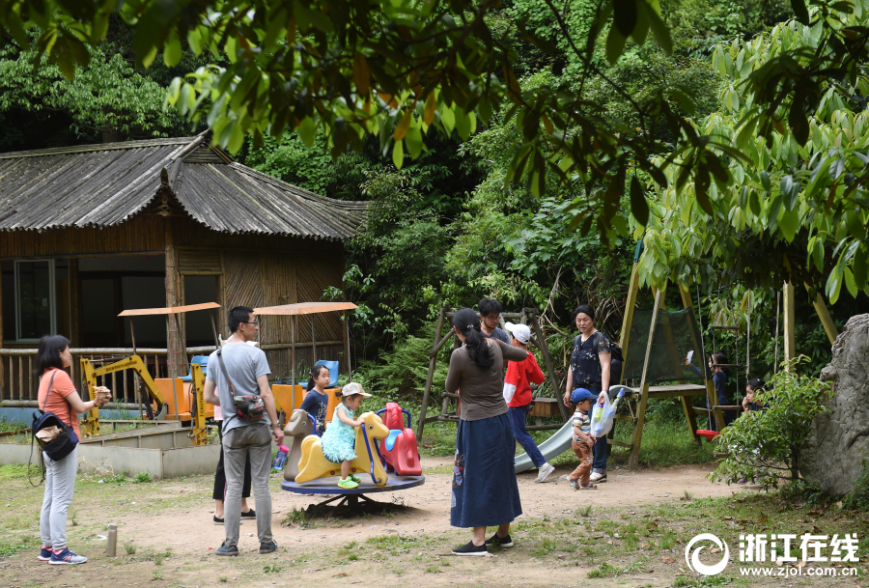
354,388
520,331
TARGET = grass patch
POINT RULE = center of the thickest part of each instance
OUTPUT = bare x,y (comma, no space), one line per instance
298,518
606,570
17,471
12,545
9,426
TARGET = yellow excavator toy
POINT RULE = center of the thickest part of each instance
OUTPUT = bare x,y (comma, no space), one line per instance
90,425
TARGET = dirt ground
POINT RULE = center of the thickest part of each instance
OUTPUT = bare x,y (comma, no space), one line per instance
166,536
191,531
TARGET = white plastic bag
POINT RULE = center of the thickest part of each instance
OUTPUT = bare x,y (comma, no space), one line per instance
602,415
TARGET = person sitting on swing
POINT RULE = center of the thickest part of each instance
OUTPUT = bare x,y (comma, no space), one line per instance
719,380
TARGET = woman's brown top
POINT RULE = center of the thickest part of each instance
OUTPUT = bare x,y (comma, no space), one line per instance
482,389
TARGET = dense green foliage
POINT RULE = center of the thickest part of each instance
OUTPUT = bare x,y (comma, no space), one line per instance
765,445
449,226
602,129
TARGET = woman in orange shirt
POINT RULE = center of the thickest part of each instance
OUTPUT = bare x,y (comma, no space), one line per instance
57,395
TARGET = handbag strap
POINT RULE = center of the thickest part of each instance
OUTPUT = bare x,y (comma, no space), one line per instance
225,373
48,392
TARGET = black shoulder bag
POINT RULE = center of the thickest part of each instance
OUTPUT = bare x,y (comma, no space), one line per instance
248,407
64,443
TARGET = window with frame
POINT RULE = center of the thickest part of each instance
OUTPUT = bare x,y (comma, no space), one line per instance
35,298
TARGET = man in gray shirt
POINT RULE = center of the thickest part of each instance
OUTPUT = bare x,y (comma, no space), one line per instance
248,372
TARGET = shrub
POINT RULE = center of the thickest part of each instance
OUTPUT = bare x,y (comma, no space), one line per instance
766,444
143,478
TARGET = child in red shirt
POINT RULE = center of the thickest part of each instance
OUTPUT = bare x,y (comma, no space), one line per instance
517,393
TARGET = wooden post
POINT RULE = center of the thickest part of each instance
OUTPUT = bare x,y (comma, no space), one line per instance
347,346
790,344
547,358
75,304
630,306
173,334
313,343
687,406
432,362
826,319
644,387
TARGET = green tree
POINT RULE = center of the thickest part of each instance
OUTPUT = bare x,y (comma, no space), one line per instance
107,96
785,205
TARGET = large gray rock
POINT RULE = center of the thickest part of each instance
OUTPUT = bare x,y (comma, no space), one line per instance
838,442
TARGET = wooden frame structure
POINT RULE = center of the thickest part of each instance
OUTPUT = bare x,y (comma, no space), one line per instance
253,239
686,391
527,316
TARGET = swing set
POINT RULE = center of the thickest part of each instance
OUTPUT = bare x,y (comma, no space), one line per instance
655,343
669,334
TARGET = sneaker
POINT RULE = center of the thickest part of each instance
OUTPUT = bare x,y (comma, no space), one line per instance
223,550
251,514
348,484
217,521
44,554
66,557
471,549
598,477
269,547
502,541
574,483
545,470
355,478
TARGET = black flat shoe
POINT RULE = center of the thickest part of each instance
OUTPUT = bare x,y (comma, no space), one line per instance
217,521
471,549
505,541
251,514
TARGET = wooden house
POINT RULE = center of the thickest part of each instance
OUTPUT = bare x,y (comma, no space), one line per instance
88,231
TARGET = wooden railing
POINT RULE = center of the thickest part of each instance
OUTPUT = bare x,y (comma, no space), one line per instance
20,385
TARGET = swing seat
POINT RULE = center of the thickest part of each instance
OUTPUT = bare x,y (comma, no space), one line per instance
709,435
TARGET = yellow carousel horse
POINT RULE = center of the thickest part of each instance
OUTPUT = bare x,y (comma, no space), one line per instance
314,464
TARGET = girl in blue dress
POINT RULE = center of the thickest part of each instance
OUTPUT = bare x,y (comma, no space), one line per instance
340,436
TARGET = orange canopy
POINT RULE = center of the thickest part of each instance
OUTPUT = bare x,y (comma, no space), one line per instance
304,308
170,309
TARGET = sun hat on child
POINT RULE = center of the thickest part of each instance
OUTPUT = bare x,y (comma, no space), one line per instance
520,331
354,388
581,394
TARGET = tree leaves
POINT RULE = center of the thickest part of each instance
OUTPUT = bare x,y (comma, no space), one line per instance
625,16
639,206
800,11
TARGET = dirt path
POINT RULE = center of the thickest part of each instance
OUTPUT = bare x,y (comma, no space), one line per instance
191,530
168,528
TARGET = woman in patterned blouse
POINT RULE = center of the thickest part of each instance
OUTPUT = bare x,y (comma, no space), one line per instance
590,369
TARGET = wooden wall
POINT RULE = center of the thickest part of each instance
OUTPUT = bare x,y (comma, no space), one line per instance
141,235
268,271
252,270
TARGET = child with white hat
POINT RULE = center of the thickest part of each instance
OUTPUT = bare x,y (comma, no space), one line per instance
517,393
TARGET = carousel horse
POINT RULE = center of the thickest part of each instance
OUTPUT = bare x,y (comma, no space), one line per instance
399,449
314,464
300,425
